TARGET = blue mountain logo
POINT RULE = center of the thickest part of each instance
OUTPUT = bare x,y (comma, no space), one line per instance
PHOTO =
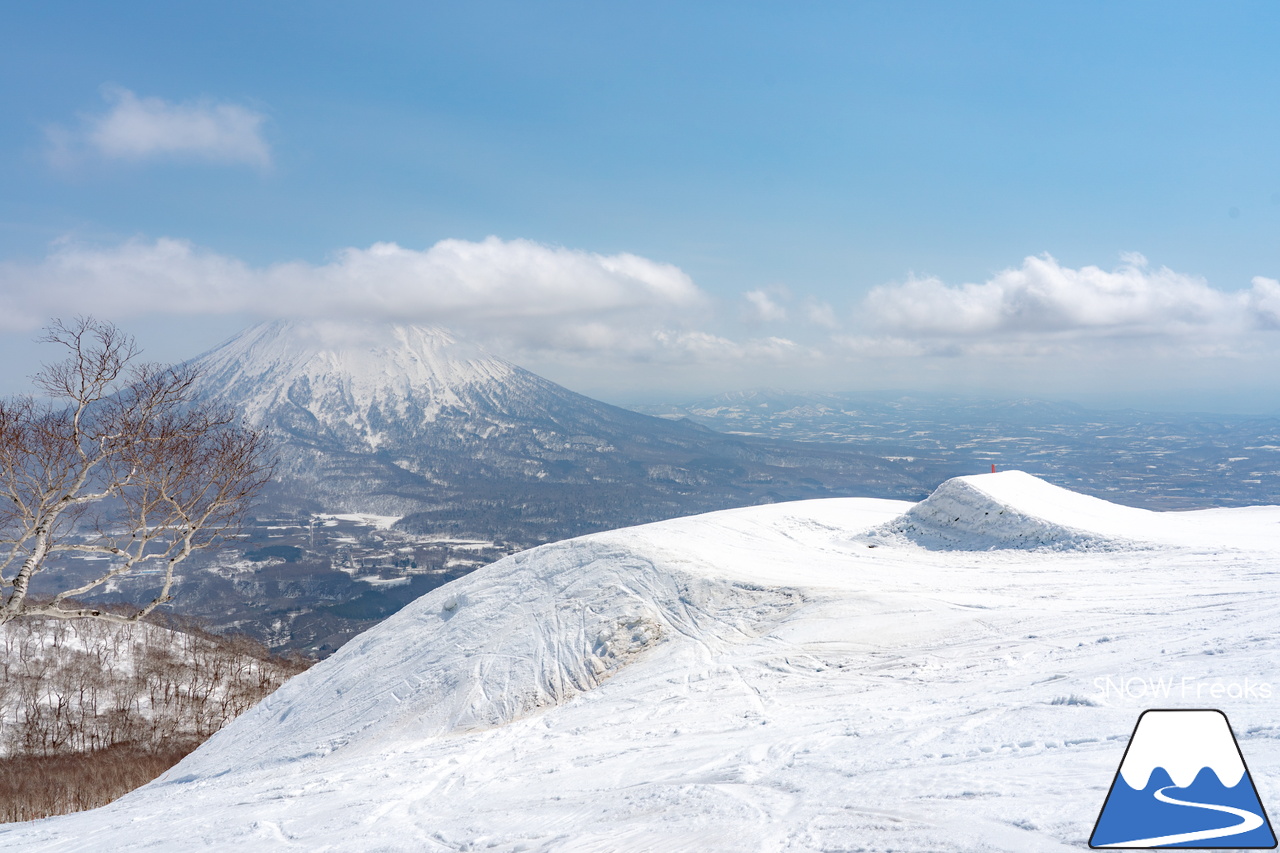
1183,783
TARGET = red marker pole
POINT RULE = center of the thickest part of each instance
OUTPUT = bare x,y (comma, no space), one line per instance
993,467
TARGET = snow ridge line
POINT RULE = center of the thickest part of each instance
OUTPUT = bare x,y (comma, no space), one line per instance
960,517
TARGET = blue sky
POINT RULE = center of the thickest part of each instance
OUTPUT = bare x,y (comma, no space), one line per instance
659,199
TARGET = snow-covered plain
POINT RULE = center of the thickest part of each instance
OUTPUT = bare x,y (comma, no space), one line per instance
849,674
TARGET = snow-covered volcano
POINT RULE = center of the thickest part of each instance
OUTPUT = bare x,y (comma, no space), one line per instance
399,419
357,381
1183,743
758,679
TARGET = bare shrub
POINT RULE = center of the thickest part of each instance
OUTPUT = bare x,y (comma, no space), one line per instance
36,786
90,710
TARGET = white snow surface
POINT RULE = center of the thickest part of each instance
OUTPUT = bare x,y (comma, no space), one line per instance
803,676
1013,509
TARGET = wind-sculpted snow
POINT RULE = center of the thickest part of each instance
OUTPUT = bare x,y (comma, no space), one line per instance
1014,510
528,632
963,516
775,678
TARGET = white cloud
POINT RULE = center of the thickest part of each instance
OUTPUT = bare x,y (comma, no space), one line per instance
622,320
1264,302
525,299
881,346
532,294
821,314
705,348
494,279
144,128
762,307
1044,299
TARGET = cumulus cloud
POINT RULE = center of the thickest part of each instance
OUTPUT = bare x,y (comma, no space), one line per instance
771,305
1044,299
523,298
454,279
604,314
1264,302
533,294
140,128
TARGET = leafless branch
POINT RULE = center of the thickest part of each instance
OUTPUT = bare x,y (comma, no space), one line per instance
124,461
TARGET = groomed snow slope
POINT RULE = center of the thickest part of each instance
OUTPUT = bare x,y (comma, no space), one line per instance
791,677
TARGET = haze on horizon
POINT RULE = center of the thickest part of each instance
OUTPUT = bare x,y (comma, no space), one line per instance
659,201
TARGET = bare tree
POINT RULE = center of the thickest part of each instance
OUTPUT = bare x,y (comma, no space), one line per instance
119,460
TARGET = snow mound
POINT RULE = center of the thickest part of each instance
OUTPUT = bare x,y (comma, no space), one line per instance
1011,509
523,634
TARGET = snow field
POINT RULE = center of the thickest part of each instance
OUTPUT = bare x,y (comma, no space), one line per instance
756,679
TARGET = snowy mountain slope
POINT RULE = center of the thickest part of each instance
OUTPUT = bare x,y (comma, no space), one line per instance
81,685
963,515
754,679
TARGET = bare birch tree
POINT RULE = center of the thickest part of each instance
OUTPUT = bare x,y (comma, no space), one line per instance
120,460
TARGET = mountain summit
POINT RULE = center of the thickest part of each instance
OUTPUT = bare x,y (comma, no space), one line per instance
414,421
359,382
